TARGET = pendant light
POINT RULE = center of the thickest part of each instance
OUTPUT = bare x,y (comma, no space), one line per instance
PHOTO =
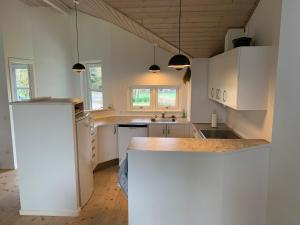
179,61
77,67
154,68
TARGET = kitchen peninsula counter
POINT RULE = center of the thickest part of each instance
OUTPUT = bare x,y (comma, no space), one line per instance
192,144
197,181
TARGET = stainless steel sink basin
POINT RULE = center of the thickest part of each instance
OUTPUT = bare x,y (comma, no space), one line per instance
219,134
163,120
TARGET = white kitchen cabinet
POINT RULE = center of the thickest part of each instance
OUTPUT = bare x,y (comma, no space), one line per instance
239,78
169,130
176,130
107,143
157,130
85,163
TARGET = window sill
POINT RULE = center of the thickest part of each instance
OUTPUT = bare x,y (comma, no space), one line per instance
98,110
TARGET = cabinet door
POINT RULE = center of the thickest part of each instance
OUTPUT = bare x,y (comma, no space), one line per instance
176,130
213,75
229,78
85,167
157,130
217,66
107,143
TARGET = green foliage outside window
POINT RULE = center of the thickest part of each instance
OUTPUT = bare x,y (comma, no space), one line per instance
141,97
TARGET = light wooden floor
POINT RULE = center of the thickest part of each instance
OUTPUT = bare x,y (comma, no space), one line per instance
107,206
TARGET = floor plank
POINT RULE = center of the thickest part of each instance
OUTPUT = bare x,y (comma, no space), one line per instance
107,206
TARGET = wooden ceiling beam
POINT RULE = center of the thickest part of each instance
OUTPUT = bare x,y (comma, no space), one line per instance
58,6
204,22
102,10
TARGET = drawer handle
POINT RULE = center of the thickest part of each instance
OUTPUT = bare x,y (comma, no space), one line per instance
212,92
224,96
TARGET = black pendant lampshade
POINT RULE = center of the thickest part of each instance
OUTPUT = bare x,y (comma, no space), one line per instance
179,61
77,67
154,68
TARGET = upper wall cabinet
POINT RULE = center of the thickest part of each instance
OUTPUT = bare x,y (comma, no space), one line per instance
239,78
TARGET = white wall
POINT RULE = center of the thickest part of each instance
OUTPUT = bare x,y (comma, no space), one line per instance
52,52
201,106
284,187
264,27
6,156
40,34
125,59
17,42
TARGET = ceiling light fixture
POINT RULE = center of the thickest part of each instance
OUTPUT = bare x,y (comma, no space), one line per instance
179,61
77,67
154,68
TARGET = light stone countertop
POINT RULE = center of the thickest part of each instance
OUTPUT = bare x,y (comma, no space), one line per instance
115,120
179,144
192,144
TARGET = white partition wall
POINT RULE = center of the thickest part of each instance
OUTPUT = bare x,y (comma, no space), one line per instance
198,188
46,154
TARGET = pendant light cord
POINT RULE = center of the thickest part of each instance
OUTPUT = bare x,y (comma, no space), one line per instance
154,54
179,24
77,31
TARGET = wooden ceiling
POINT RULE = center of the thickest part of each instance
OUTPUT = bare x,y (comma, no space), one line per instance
204,22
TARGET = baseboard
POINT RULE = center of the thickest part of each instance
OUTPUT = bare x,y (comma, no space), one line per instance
50,213
107,164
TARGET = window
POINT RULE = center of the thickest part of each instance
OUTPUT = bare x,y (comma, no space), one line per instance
21,80
94,86
154,98
167,98
140,98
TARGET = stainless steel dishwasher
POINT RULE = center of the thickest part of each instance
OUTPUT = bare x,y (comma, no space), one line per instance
125,133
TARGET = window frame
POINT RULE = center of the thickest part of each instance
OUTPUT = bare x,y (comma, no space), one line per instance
86,85
163,108
154,99
12,79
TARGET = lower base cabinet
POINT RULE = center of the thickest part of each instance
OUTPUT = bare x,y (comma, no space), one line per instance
169,130
107,143
107,138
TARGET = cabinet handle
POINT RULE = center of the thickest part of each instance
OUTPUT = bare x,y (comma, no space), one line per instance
168,131
163,131
212,92
115,130
218,94
224,96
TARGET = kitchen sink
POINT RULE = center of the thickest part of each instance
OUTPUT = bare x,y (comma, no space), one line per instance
163,120
219,134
